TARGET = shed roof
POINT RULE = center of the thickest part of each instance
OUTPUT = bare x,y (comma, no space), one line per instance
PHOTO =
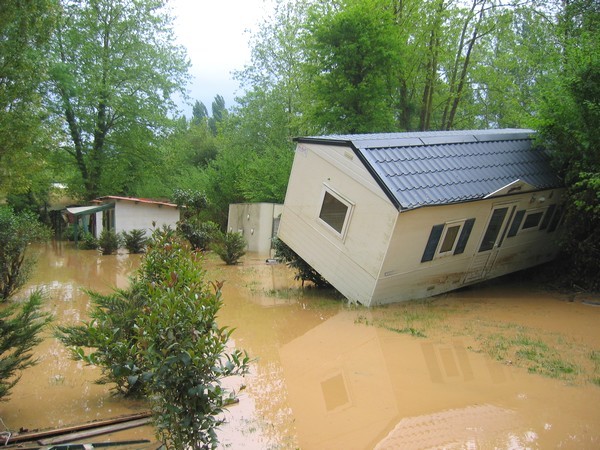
87,210
133,200
444,167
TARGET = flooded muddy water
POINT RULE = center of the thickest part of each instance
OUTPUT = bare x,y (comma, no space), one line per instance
436,374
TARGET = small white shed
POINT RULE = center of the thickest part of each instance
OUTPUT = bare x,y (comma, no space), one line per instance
392,217
257,222
125,214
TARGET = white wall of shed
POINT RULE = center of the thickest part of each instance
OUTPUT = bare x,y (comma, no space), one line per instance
130,215
99,224
255,222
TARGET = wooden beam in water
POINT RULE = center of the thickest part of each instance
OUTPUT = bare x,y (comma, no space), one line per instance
35,435
84,434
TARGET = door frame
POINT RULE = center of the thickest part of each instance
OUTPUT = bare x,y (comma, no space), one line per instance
484,260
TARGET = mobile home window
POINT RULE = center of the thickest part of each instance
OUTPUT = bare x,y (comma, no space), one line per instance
447,239
532,219
334,212
527,221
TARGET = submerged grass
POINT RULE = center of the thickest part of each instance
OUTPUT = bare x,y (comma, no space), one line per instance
551,355
533,354
594,357
416,318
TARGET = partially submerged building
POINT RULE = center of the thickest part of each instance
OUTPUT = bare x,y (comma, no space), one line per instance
392,217
123,214
257,222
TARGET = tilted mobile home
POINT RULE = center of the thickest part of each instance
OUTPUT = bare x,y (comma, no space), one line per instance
393,217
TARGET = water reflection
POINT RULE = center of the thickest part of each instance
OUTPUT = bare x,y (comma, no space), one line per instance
320,379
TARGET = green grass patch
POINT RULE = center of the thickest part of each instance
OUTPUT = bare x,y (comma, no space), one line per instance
531,353
416,318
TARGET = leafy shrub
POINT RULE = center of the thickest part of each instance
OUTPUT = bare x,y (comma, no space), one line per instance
17,231
199,234
230,247
88,242
303,270
161,337
190,200
109,242
19,333
69,233
111,332
135,240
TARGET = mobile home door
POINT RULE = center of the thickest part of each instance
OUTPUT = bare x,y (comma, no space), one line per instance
493,236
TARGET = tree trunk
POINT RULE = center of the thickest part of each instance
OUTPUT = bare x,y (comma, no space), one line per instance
455,99
431,71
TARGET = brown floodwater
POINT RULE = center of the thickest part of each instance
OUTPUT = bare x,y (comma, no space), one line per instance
326,377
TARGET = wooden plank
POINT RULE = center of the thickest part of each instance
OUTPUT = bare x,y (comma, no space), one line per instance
74,446
35,435
95,431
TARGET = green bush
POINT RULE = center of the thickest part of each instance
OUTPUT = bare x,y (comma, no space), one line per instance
19,333
69,233
230,247
111,332
135,240
161,337
304,271
88,242
198,233
109,242
17,231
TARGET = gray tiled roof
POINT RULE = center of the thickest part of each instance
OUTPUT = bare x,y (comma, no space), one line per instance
442,167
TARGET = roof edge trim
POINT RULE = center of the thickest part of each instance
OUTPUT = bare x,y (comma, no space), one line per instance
391,197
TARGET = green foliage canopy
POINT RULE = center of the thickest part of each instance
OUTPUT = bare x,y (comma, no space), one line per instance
569,123
353,59
25,132
114,69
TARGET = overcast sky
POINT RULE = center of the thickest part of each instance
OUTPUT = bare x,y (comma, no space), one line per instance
215,34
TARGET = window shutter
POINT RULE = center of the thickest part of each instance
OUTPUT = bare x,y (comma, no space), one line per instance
514,227
555,219
547,217
432,243
464,236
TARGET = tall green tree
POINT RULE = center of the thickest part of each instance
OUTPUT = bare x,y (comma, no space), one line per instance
254,144
25,27
219,112
515,67
569,123
114,70
199,112
353,62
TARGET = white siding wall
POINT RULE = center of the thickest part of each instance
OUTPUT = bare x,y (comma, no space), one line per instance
352,263
130,215
99,226
255,222
405,277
